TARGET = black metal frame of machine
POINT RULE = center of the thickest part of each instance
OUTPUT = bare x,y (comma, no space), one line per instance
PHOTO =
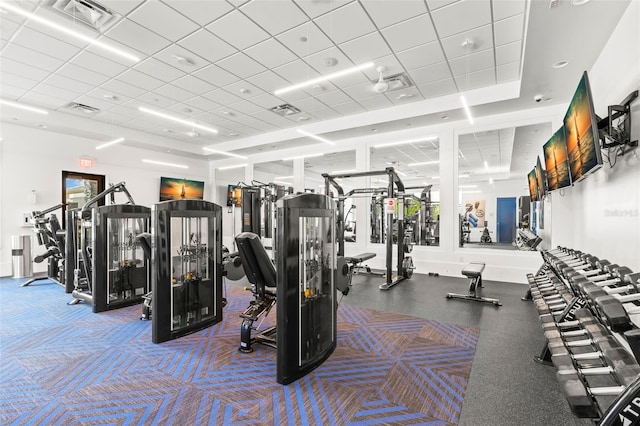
186,256
395,188
306,332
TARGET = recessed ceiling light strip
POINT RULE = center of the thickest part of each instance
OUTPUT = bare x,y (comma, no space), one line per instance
23,107
424,163
408,141
162,163
283,177
177,119
302,156
215,151
323,78
104,145
68,31
316,137
466,109
237,166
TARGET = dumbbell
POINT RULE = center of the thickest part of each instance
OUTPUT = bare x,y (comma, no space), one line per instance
580,397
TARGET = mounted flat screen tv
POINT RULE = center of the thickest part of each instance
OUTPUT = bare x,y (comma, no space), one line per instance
581,133
180,189
533,185
234,196
541,179
556,161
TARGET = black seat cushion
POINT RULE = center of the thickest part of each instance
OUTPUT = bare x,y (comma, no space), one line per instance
255,261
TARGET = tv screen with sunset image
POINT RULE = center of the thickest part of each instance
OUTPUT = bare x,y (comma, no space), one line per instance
180,189
581,133
556,161
533,185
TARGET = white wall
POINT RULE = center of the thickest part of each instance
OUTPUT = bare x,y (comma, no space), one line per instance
601,214
33,159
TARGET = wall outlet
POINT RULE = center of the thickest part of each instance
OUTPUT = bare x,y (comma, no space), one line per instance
26,219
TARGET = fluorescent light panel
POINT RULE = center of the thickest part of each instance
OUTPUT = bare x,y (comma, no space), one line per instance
470,192
177,120
316,137
466,109
23,107
382,145
302,156
323,78
215,151
104,145
68,31
281,182
237,166
424,163
337,172
467,186
283,177
162,163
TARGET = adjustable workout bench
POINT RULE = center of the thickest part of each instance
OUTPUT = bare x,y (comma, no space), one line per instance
474,271
355,262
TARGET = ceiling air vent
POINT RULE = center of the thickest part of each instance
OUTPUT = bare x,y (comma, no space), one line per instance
88,12
396,82
86,109
285,110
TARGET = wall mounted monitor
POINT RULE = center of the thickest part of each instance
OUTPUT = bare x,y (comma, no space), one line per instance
533,185
581,133
180,189
556,161
541,179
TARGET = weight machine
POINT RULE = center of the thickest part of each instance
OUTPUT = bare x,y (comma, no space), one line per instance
403,240
110,267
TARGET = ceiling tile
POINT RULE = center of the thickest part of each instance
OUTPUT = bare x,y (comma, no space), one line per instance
410,94
509,30
56,92
243,89
271,118
207,45
346,23
98,64
245,107
506,8
391,64
350,80
348,108
364,90
274,16
193,84
268,81
296,72
475,62
310,104
334,97
315,8
139,79
482,39
476,79
100,93
237,3
16,81
203,12
202,103
158,69
161,19
24,70
45,101
375,102
8,28
508,72
122,88
137,36
222,97
508,53
99,103
241,65
184,109
82,74
112,117
421,56
174,92
42,43
437,4
270,53
181,58
116,58
70,84
385,13
22,54
317,60
410,33
238,30
461,17
13,92
216,76
266,100
305,39
121,6
430,74
366,48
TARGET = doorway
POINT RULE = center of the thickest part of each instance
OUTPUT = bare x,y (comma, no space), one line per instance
506,220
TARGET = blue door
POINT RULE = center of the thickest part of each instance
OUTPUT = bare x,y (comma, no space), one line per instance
506,220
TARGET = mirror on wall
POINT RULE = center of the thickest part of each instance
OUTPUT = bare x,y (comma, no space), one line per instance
230,198
417,163
492,183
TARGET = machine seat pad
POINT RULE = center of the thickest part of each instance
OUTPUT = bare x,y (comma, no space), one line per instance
359,258
473,270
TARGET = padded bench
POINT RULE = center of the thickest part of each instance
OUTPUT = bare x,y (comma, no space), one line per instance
474,271
356,265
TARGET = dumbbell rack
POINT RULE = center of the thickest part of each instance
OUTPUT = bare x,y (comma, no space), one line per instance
592,340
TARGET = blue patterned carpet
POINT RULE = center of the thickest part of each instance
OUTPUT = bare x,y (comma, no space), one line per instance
64,365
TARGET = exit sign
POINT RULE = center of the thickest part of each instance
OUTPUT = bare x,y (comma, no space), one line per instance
86,162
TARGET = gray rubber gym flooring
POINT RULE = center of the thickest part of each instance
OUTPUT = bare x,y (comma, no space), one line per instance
506,387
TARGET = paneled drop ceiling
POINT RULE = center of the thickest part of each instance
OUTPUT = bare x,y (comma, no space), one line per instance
218,62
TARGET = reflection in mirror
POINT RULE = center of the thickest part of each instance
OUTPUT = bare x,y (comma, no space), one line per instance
492,183
231,220
417,163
